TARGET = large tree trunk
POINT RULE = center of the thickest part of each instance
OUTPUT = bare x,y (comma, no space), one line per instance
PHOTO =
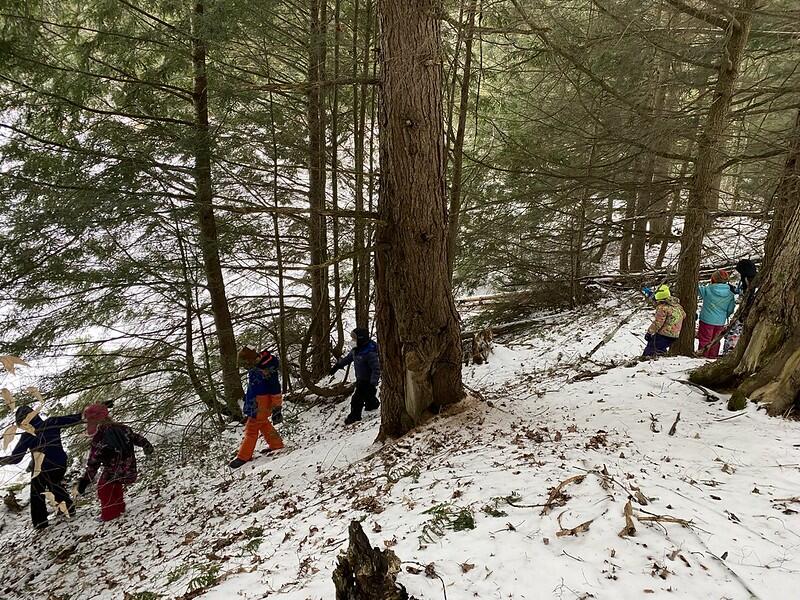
320,301
706,167
458,147
786,199
418,328
207,222
766,364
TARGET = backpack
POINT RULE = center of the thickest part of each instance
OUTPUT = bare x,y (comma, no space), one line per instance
117,440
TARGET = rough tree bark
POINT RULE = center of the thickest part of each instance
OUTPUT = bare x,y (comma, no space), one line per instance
417,322
320,301
786,198
204,206
706,167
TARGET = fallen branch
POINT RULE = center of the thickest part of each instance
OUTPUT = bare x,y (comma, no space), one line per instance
709,396
582,528
629,528
674,427
556,492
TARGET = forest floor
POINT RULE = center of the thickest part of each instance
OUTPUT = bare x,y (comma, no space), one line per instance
518,492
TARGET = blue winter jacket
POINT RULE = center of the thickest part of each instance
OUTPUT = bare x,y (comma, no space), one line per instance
719,302
262,380
366,363
46,440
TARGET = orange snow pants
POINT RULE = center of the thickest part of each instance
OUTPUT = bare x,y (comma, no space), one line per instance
261,424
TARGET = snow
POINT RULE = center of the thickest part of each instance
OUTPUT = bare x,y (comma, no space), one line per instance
534,419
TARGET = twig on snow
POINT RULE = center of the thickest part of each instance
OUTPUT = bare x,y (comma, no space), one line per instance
674,427
629,528
556,491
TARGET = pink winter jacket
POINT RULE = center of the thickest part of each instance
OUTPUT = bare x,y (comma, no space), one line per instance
668,319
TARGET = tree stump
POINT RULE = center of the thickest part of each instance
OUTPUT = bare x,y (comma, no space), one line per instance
366,573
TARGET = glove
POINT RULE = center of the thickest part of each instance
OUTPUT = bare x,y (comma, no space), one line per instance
647,291
277,415
148,450
83,483
333,370
648,336
108,403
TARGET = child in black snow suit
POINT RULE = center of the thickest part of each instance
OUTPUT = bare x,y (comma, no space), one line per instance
47,440
367,367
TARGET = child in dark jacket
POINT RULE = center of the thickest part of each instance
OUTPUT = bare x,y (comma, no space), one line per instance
46,439
367,367
262,401
112,449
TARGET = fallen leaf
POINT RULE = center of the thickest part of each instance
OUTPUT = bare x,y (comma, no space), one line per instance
413,570
38,459
11,362
9,399
466,567
8,435
34,391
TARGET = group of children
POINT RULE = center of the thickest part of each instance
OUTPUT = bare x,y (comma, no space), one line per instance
111,448
718,304
112,444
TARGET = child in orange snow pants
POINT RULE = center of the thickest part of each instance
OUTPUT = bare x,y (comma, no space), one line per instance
262,402
261,424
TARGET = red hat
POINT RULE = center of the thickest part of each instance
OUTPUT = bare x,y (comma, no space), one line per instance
94,414
720,276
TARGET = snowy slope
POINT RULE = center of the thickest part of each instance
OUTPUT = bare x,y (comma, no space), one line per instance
721,494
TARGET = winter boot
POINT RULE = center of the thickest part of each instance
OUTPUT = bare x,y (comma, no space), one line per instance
372,404
236,463
351,418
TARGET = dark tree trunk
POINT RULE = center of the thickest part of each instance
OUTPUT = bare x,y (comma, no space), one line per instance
337,280
320,301
627,232
367,573
765,366
702,190
458,146
361,258
418,326
207,222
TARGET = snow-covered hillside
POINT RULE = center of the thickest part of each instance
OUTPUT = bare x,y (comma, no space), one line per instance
518,492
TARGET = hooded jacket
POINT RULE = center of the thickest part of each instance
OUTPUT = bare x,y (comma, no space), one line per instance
719,302
47,440
366,363
262,380
668,319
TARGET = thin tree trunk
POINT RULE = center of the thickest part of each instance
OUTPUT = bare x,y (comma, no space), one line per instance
636,261
361,270
607,224
627,232
320,302
337,280
276,230
701,192
417,321
208,226
458,147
